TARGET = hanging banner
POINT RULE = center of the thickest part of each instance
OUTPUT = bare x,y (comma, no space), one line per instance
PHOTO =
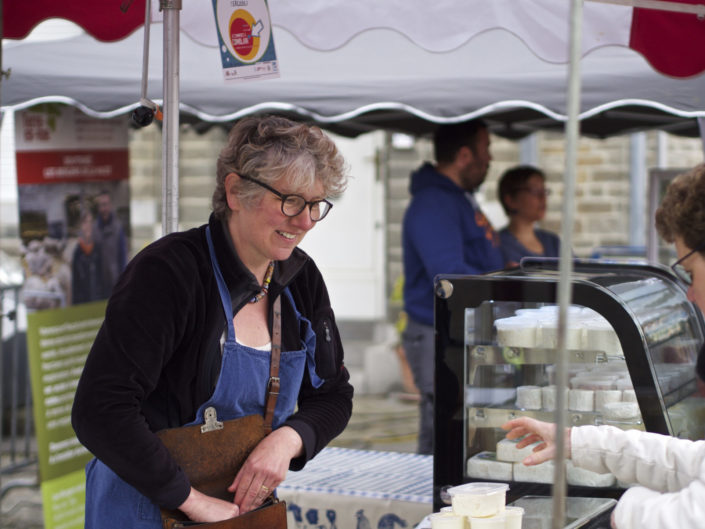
73,201
245,39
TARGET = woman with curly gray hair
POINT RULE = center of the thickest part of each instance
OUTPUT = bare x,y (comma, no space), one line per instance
192,326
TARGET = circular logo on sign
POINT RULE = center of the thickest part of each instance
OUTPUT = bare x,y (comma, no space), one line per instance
242,40
245,31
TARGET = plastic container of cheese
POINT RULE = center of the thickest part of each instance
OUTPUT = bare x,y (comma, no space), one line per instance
479,499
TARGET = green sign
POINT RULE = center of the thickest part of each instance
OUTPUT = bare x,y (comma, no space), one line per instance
64,501
58,342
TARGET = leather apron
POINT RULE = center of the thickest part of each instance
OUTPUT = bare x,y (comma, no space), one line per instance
240,391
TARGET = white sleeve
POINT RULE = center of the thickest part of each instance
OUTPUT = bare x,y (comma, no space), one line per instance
658,463
642,508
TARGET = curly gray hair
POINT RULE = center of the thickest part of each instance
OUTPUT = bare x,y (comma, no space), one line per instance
269,148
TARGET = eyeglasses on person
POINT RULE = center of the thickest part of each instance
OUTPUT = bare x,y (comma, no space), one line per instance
538,193
680,270
293,204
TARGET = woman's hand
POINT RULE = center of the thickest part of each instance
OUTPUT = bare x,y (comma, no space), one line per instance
201,508
536,431
265,468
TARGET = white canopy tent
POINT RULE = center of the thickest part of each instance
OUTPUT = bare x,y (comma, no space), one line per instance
343,68
400,65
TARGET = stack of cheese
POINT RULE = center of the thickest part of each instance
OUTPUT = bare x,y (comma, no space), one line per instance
604,388
587,330
478,506
612,403
506,465
586,395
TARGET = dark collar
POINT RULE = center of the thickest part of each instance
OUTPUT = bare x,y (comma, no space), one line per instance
241,283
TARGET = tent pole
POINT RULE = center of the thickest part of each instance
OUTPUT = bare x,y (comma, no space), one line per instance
566,260
170,131
638,176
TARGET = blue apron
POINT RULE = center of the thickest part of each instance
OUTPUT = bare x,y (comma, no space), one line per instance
240,391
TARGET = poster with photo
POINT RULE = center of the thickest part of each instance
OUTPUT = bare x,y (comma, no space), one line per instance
74,204
74,209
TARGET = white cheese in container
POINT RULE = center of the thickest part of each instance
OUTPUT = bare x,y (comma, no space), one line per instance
512,517
443,520
479,499
490,522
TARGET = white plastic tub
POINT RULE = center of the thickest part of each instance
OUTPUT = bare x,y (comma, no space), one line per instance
479,499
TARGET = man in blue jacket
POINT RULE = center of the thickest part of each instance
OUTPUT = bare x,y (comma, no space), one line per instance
444,231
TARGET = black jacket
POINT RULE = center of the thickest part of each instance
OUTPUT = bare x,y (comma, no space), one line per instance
156,357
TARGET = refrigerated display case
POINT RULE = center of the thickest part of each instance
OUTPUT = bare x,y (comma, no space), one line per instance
632,340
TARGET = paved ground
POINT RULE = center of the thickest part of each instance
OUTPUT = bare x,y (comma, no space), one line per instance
387,423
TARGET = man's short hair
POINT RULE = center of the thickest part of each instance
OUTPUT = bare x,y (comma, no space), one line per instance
448,139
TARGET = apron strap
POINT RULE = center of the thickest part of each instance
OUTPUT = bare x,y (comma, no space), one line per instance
274,383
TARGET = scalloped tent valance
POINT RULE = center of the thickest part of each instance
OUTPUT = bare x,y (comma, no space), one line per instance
401,64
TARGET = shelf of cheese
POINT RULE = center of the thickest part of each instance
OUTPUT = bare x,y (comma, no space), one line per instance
505,464
587,330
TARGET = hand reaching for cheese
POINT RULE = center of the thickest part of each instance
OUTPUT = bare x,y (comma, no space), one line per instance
534,431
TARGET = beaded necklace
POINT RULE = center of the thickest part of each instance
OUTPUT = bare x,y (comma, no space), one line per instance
265,283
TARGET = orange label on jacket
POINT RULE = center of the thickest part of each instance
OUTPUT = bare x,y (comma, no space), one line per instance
490,234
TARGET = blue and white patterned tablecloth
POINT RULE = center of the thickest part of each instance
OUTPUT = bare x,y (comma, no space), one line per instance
359,489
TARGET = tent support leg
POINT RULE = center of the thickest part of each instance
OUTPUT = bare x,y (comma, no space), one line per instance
566,260
170,132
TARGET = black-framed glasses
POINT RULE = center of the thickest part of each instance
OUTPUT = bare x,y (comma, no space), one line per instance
538,193
680,270
292,204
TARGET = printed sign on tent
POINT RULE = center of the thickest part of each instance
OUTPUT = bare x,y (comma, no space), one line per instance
74,204
245,39
73,198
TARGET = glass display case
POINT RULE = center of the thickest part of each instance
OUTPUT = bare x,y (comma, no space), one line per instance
632,340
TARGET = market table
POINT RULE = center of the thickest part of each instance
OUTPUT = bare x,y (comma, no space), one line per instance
343,488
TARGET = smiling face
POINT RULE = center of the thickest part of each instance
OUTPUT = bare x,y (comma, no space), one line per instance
695,265
260,231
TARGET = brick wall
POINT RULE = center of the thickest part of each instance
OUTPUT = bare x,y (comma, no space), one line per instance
198,154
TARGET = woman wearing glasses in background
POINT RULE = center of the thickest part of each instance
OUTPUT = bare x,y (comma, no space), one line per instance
680,219
190,325
522,192
669,473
